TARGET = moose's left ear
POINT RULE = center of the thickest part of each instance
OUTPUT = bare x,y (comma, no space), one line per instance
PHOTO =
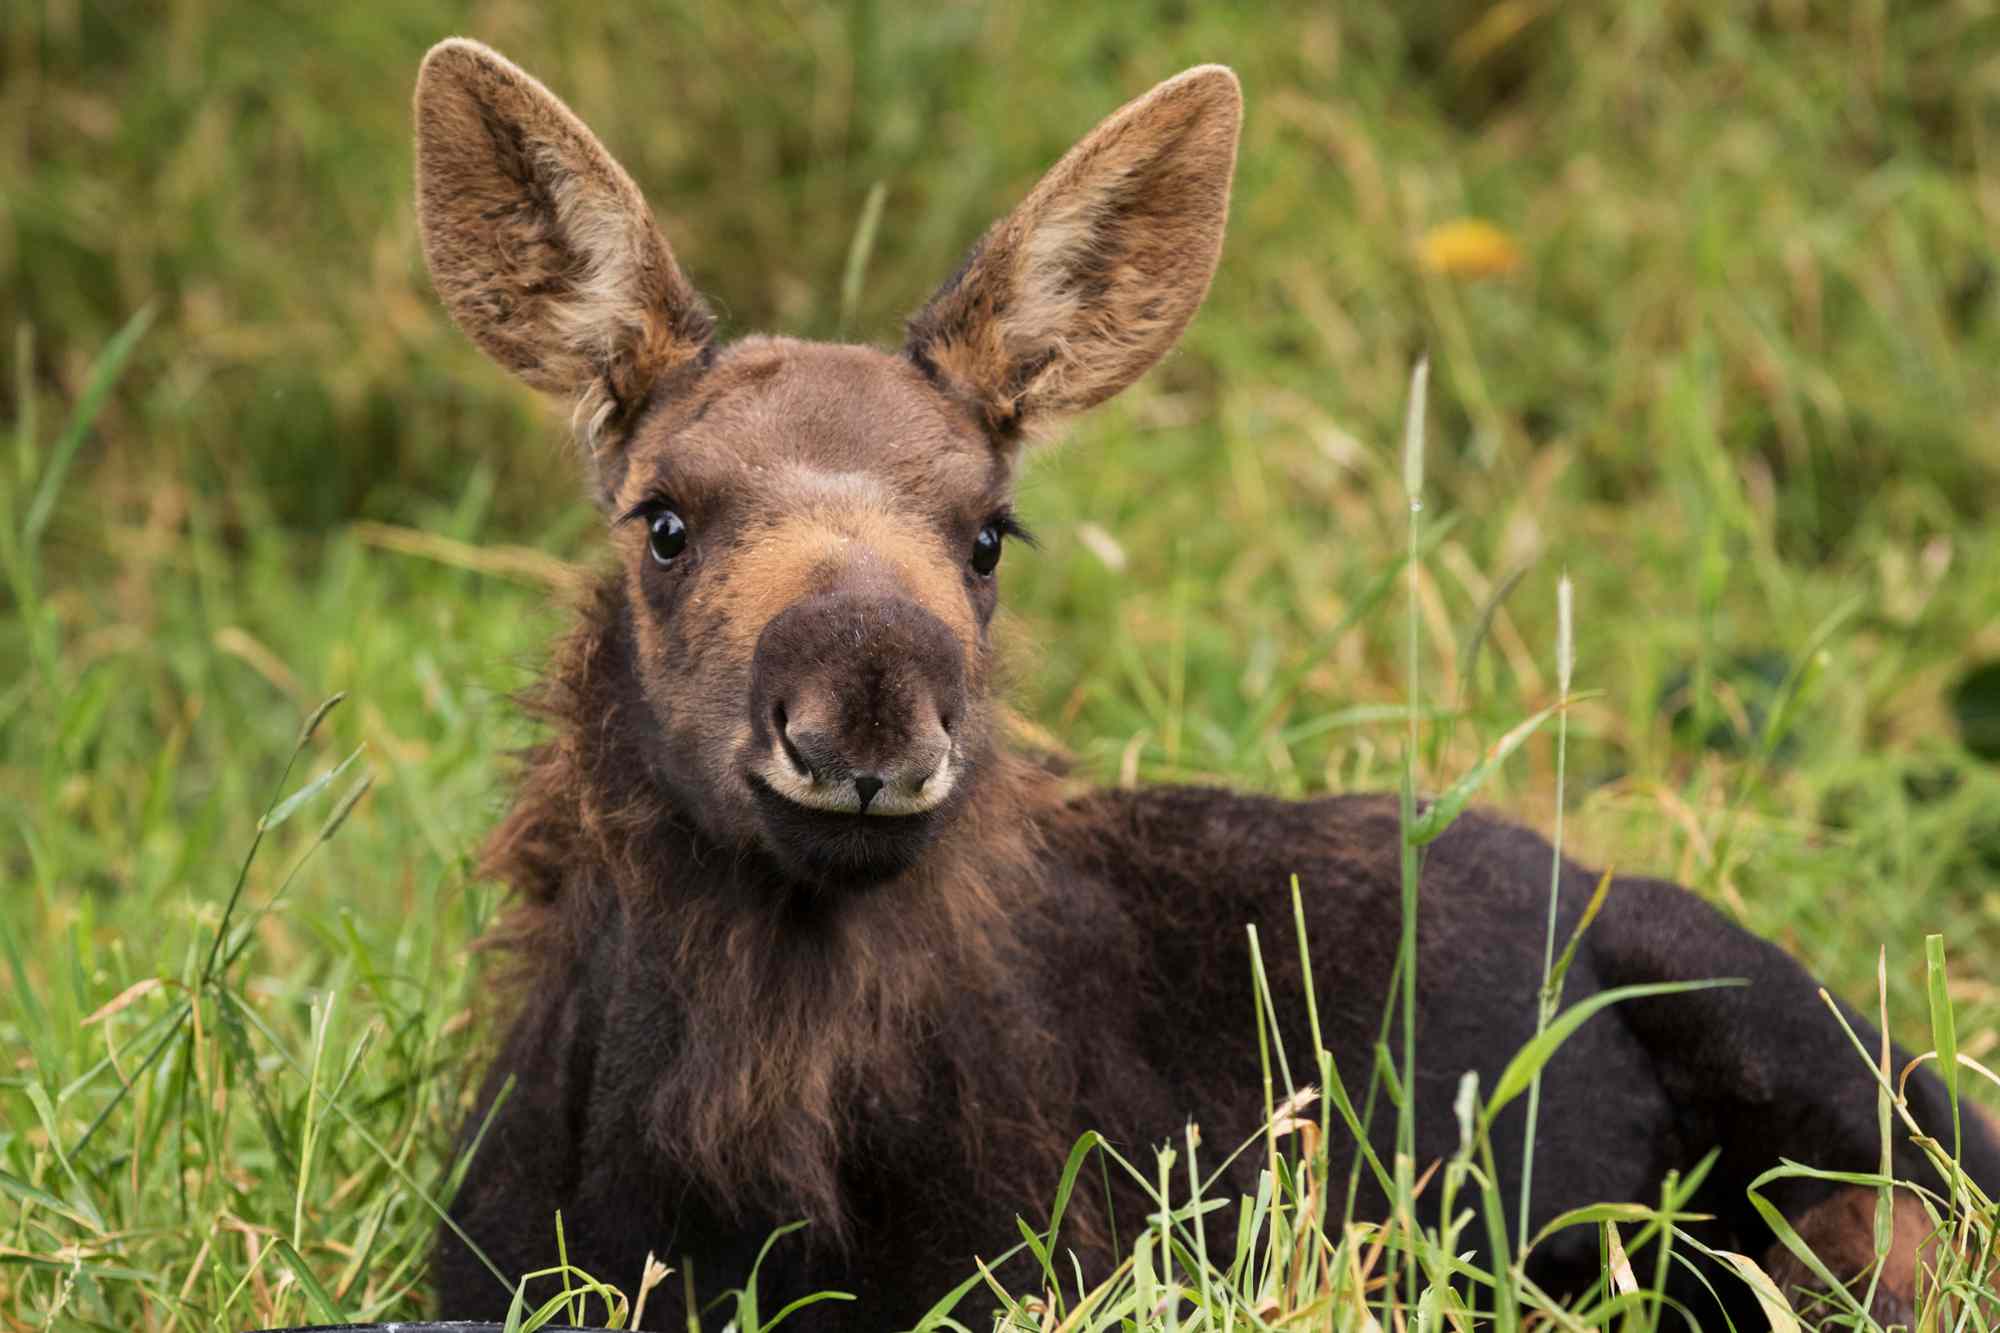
1078,291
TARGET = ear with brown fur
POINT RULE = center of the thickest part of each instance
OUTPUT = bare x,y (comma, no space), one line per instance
539,243
1077,292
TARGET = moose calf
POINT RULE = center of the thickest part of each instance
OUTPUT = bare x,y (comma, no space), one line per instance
799,935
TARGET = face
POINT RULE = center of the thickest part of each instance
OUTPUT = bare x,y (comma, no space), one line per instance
810,535
811,542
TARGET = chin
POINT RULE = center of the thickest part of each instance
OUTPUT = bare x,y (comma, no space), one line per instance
838,850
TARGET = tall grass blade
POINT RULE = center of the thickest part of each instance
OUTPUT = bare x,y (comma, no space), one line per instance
1482,625
322,1306
306,731
1550,995
1598,896
1439,814
1944,1034
1769,1299
104,376
858,252
284,809
1086,1144
1520,1070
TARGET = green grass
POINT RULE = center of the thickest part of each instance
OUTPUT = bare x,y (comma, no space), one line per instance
1744,385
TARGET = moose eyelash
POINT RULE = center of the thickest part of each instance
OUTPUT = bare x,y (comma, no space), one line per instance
1011,526
651,504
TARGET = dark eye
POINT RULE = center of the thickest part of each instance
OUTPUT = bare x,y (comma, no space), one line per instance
986,549
668,536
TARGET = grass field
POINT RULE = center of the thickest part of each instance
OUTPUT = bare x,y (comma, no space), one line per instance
1731,358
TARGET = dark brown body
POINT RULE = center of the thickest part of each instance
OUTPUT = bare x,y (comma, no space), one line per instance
1122,1002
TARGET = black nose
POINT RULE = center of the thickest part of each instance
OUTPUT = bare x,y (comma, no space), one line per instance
859,687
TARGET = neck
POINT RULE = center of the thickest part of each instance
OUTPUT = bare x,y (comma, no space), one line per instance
788,1003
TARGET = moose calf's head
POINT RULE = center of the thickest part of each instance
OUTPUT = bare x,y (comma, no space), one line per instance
810,534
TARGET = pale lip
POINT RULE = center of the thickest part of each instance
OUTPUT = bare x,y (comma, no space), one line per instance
898,797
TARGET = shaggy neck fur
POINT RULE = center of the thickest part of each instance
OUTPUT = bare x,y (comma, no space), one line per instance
794,1016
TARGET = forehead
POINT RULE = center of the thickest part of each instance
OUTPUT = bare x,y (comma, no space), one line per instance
778,408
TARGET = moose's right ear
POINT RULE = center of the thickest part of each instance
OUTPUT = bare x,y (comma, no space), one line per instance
541,246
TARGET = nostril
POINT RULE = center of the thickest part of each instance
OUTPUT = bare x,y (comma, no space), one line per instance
946,720
867,786
780,723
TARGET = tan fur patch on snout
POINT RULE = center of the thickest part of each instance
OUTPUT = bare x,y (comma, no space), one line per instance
828,548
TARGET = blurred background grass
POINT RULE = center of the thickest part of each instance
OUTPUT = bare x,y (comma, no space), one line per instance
1728,354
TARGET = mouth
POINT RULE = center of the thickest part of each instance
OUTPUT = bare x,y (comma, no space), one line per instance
842,847
788,773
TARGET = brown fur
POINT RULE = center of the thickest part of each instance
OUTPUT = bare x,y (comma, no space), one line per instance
758,1111
861,541
804,470
1841,1234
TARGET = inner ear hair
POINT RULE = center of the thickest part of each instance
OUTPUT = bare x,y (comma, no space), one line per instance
541,246
1085,285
